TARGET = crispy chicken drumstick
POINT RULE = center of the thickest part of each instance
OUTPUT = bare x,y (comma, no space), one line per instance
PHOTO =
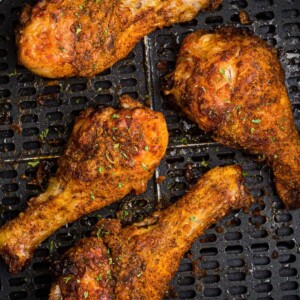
143,258
231,82
63,38
110,153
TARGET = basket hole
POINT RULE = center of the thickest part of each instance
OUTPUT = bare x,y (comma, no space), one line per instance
286,258
128,82
266,29
104,98
41,266
287,272
4,79
237,290
184,267
292,28
285,245
27,91
258,234
211,278
290,13
31,145
235,249
3,52
29,119
78,87
185,281
233,236
209,251
262,274
78,100
186,294
265,16
10,187
10,214
225,156
17,281
8,174
10,201
99,85
214,20
260,247
284,231
52,102
261,260
235,263
5,134
23,78
263,3
3,66
175,160
209,265
288,286
208,238
54,116
4,93
18,295
7,147
28,104
212,292
33,131
263,288
283,218
239,3
237,276
43,279
200,157
127,69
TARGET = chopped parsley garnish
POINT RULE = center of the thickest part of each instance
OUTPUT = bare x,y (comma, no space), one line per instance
115,116
256,121
86,294
252,130
99,277
51,246
61,48
192,218
78,30
204,163
92,196
116,146
144,166
146,148
100,169
120,185
33,163
67,279
43,134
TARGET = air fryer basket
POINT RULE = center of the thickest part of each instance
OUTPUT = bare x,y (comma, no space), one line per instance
253,256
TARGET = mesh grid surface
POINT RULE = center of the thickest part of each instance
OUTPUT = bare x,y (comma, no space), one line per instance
245,256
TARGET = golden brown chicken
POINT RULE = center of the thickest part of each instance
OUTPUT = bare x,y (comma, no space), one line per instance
231,83
110,153
141,259
63,38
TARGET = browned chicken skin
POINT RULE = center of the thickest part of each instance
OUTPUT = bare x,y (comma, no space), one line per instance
110,153
144,257
63,38
231,82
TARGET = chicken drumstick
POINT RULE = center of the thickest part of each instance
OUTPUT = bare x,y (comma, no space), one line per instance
64,38
143,258
110,153
231,82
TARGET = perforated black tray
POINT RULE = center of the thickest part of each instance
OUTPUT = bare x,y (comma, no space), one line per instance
253,256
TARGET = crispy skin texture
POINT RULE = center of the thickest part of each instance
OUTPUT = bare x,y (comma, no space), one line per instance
63,38
231,83
106,158
145,256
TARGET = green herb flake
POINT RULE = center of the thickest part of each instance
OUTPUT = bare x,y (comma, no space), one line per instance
116,146
125,155
192,218
245,174
127,117
275,156
108,252
33,163
98,234
110,261
100,170
85,294
146,148
94,66
81,7
204,89
139,275
67,279
51,246
61,48
99,277
120,185
204,163
78,30
256,121
92,196
144,166
115,116
252,130
43,134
